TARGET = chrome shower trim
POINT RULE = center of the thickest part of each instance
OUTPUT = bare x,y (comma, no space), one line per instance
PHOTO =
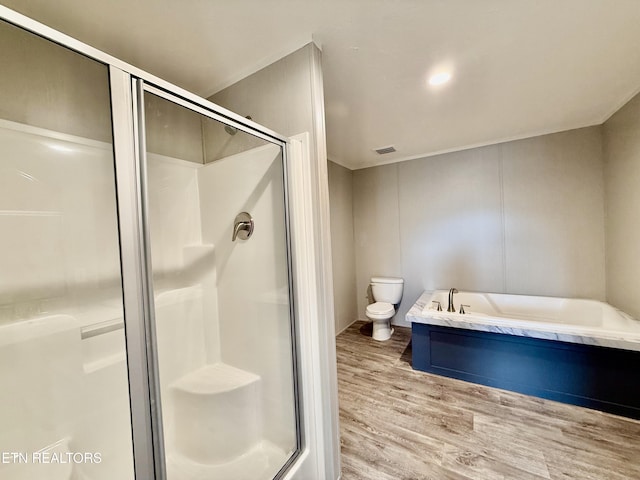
157,430
293,324
131,264
210,110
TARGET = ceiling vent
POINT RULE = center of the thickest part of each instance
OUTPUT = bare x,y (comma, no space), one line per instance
384,150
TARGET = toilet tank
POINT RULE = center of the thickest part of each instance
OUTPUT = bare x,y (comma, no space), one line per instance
387,289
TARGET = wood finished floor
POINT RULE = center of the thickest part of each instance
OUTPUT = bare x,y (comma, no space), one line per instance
400,424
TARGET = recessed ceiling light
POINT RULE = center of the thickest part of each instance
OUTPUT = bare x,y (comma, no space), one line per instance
439,78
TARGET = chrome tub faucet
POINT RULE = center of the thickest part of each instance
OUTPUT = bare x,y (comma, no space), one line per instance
451,308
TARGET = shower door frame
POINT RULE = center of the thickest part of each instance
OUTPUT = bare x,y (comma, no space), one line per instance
314,425
144,285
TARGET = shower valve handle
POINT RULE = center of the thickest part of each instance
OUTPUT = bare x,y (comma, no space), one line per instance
242,227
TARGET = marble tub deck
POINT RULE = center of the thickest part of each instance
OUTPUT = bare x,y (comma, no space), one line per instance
563,333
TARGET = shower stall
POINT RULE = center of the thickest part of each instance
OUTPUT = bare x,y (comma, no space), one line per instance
147,318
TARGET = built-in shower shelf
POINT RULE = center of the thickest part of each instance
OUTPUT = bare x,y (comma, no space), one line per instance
216,414
215,379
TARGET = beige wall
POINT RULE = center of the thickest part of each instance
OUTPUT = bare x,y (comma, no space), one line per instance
45,85
622,187
376,227
342,247
277,96
520,217
554,215
172,130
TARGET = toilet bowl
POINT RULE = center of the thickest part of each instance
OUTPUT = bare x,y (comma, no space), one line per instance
387,292
381,313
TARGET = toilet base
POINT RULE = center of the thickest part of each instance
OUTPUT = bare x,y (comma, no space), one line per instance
382,330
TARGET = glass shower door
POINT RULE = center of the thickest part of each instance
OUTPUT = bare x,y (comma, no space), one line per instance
64,400
225,350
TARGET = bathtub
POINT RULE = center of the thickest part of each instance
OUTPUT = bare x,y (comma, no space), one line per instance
582,352
565,319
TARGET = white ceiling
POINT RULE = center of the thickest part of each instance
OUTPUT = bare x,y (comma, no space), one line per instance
520,67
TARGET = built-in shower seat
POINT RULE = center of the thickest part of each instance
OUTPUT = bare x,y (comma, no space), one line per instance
216,413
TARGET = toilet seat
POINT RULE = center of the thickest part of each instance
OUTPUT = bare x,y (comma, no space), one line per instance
381,310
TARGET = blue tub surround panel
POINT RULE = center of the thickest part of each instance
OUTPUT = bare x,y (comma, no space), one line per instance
602,378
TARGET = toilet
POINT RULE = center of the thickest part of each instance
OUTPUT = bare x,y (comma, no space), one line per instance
387,292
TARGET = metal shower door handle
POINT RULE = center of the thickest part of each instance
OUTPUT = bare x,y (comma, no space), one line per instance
242,226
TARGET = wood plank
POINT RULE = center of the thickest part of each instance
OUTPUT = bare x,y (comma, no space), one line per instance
397,423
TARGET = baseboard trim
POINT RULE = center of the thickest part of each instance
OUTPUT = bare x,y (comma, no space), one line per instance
344,328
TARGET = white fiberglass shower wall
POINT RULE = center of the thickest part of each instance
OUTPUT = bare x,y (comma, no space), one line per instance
222,303
136,330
